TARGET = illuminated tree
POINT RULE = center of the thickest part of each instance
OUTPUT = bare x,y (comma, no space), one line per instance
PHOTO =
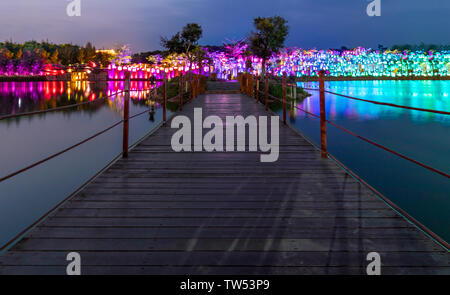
123,55
184,42
54,57
271,32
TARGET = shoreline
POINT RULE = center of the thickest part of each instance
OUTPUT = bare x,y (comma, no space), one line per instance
298,79
370,78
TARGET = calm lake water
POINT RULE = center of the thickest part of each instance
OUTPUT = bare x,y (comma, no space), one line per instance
25,140
422,136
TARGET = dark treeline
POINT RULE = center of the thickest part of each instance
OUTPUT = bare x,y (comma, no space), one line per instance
63,54
421,47
33,52
142,57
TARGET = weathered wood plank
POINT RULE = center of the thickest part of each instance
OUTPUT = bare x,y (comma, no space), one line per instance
220,270
78,232
258,259
224,205
225,244
204,222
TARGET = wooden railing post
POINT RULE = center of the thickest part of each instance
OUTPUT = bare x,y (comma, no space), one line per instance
247,86
257,88
323,123
164,96
181,91
126,115
252,86
284,98
190,85
267,92
195,85
294,90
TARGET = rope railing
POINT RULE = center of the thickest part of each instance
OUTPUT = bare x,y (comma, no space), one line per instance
323,145
382,103
194,91
127,117
283,100
58,108
368,140
390,150
61,152
369,101
11,116
73,146
391,104
299,108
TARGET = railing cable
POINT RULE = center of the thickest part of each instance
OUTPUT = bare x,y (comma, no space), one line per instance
61,152
75,145
57,108
369,141
382,103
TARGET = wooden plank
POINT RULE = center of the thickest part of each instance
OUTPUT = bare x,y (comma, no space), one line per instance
77,232
272,196
204,222
256,259
220,270
225,244
224,205
230,213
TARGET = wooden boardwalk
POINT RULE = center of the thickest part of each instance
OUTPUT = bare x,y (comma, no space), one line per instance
161,212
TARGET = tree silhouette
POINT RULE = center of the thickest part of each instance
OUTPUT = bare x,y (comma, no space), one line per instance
271,32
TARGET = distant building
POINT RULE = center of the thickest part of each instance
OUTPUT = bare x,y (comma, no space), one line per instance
109,51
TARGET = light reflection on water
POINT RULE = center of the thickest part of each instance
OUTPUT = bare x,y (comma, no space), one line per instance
422,136
25,140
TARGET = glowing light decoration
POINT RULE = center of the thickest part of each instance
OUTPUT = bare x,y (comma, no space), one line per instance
348,63
359,62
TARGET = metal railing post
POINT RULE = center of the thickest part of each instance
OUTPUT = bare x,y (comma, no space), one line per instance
284,98
126,115
267,92
323,123
164,96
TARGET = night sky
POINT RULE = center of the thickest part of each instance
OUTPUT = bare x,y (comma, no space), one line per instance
140,23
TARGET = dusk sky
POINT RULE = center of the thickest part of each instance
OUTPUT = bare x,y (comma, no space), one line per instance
140,23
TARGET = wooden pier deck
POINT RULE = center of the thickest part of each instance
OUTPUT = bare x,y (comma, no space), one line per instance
161,212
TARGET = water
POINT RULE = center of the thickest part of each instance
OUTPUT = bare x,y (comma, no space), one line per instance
25,140
422,136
